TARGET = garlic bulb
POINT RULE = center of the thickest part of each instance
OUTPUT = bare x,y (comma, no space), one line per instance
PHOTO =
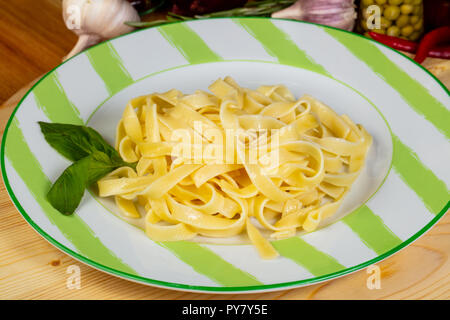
97,20
335,13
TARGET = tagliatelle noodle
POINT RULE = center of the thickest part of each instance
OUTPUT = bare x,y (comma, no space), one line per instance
232,161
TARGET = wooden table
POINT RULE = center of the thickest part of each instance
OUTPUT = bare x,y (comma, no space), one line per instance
33,40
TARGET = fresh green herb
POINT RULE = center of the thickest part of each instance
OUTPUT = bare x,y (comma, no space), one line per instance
94,158
76,142
153,8
261,8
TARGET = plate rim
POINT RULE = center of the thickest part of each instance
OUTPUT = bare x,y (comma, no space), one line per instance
196,288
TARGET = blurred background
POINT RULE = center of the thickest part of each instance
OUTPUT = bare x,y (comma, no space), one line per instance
34,37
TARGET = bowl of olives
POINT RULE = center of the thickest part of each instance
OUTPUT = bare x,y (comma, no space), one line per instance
396,18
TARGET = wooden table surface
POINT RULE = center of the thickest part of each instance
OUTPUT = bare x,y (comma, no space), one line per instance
33,40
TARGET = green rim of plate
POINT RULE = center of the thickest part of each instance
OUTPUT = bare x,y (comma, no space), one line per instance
144,280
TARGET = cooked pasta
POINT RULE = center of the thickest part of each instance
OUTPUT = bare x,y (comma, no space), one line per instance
234,161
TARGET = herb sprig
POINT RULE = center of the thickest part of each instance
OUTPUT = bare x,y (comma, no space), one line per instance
260,8
93,159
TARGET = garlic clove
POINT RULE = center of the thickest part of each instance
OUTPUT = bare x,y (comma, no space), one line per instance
335,13
84,41
292,12
97,20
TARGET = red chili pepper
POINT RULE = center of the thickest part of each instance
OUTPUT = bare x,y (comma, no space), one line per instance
394,42
432,39
442,52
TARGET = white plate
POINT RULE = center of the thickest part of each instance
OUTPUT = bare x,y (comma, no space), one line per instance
402,191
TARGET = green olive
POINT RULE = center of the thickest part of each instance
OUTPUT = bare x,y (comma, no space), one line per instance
402,21
391,12
395,2
406,8
385,23
417,10
406,31
407,1
419,25
414,19
415,36
382,31
416,2
380,2
393,31
367,3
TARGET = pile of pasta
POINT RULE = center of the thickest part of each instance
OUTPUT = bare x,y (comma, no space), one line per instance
319,156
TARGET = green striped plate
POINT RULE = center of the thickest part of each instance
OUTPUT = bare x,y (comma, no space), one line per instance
402,192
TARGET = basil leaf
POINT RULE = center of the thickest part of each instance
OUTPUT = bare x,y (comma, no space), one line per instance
100,165
76,142
66,193
93,156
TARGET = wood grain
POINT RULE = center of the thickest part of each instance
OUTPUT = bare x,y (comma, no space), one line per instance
31,268
33,38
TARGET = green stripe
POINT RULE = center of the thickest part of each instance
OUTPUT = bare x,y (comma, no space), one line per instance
109,66
315,261
371,230
53,101
190,45
72,227
417,96
418,177
206,262
279,45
